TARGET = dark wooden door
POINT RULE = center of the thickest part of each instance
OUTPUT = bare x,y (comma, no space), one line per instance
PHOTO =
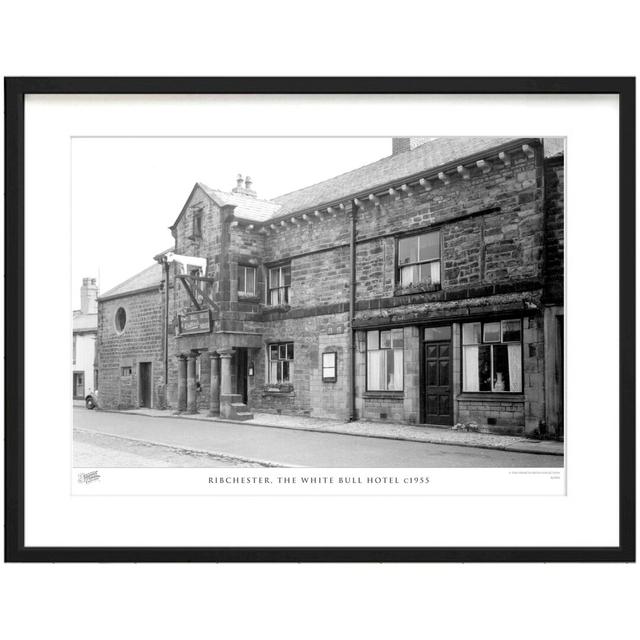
145,384
437,383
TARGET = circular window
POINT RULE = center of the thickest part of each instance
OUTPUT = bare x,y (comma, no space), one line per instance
121,319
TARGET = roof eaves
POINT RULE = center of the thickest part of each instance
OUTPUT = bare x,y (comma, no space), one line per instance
381,188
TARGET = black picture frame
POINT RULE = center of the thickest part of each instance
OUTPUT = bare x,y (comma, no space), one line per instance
15,91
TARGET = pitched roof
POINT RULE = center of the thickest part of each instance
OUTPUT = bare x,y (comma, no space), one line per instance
427,156
245,206
150,277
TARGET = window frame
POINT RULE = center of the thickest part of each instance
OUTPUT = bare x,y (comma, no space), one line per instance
326,378
115,320
279,345
501,342
126,375
392,349
399,267
287,288
244,291
196,224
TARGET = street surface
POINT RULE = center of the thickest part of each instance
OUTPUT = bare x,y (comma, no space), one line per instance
100,451
237,444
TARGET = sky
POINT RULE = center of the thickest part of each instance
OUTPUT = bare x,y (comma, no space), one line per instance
126,192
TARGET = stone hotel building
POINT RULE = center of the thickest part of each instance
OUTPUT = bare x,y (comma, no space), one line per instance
425,288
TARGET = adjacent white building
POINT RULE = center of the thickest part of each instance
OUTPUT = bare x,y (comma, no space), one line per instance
85,329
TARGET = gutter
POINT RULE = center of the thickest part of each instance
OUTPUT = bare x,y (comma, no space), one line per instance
431,173
134,292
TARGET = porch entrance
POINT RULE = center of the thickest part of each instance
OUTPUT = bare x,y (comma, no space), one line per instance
437,405
239,372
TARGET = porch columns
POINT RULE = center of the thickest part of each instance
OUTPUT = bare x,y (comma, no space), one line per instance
192,397
225,372
182,383
214,392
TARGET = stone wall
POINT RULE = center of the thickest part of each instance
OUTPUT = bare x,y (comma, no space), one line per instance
141,341
311,336
554,229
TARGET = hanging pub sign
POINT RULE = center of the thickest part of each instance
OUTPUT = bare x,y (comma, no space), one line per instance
195,322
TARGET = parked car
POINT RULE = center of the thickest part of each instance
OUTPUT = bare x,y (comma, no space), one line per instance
91,399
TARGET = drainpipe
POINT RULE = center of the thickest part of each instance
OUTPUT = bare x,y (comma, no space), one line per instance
352,311
165,332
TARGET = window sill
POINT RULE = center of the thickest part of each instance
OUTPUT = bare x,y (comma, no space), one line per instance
389,395
248,297
278,394
277,307
417,288
497,396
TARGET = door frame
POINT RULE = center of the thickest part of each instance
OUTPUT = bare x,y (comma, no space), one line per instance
146,362
423,374
242,365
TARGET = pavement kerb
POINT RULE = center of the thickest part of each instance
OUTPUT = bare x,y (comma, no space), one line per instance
510,448
176,448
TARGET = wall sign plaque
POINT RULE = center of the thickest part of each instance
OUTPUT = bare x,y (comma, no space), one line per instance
195,322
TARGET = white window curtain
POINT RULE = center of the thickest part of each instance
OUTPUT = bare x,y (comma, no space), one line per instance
515,367
375,370
471,379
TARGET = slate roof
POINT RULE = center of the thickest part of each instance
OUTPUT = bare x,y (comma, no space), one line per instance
430,154
150,277
246,206
424,157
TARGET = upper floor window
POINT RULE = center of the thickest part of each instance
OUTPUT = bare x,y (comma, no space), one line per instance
247,280
419,259
75,346
385,360
279,285
196,231
492,356
281,363
120,320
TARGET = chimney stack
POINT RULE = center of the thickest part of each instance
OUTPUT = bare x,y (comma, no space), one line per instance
88,296
400,145
244,186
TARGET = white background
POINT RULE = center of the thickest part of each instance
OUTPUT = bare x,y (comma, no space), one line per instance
321,601
587,516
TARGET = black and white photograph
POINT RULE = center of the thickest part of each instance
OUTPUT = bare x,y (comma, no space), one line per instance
318,302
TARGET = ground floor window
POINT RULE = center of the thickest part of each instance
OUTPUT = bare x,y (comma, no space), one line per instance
492,356
385,360
281,363
329,366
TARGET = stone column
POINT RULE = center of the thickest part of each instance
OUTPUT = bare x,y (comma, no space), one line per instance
182,383
214,392
225,372
192,394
